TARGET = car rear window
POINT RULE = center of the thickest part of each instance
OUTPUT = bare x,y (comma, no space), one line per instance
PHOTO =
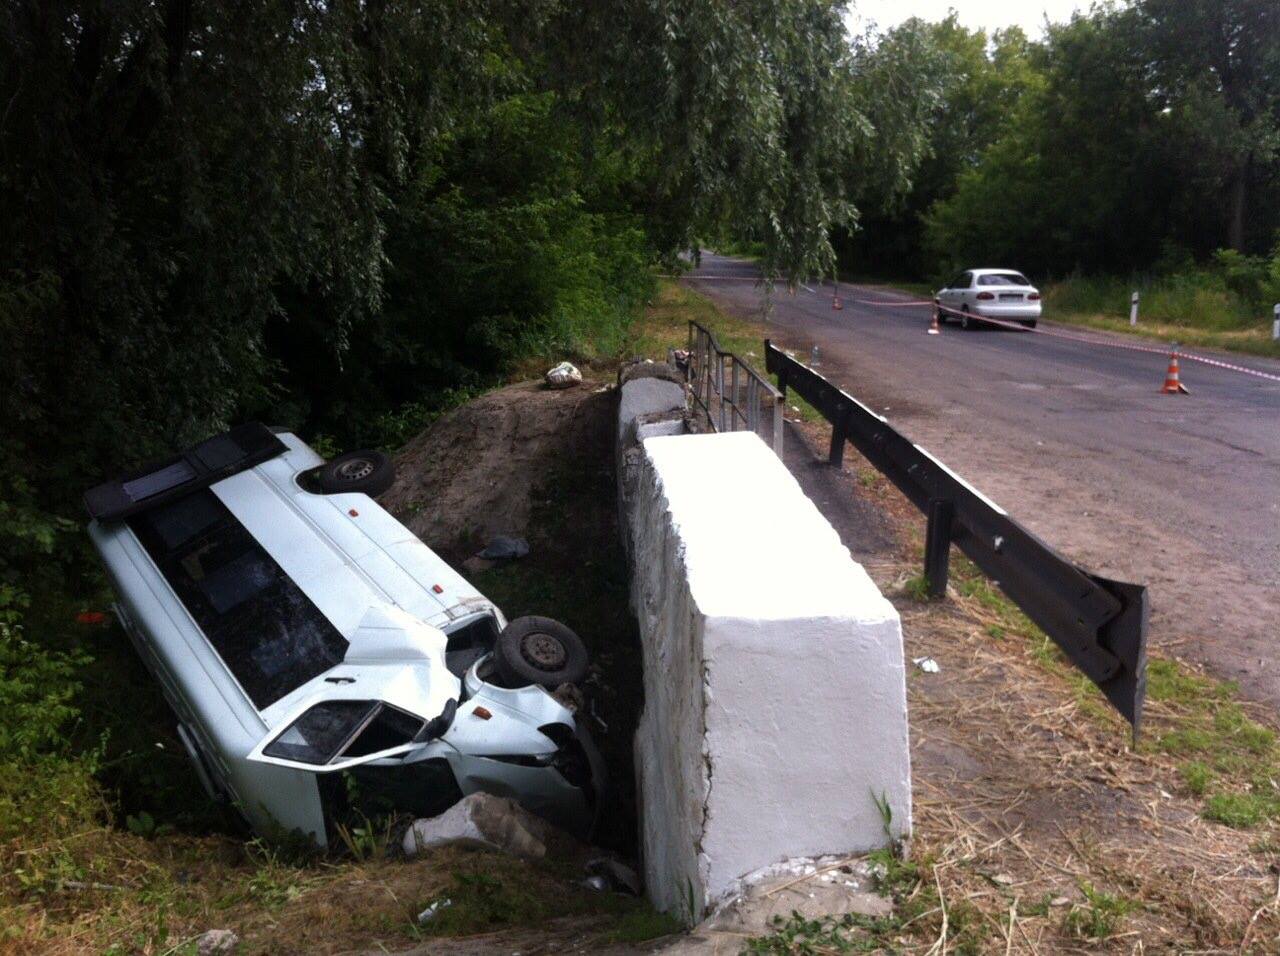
1003,278
268,633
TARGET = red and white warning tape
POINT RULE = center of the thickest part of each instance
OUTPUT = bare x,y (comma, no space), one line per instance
891,304
1111,343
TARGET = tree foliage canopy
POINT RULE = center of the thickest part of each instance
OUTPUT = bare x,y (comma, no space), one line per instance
320,211
1132,137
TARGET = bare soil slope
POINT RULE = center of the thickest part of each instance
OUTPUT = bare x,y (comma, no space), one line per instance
473,474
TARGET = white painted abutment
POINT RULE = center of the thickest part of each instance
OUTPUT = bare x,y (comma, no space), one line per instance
775,702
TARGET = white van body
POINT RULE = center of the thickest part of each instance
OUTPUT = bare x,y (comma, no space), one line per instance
355,620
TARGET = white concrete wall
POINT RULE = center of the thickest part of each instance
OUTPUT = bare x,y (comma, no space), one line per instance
775,699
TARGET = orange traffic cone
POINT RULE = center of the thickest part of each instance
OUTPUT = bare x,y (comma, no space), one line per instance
1172,384
933,326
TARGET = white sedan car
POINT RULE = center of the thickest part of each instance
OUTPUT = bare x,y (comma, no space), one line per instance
1001,294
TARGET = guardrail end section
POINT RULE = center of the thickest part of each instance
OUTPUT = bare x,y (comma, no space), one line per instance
1125,636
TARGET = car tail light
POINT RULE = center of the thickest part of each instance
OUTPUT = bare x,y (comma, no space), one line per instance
1033,296
986,295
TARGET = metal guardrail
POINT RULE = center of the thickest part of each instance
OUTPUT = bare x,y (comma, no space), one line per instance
1100,624
729,393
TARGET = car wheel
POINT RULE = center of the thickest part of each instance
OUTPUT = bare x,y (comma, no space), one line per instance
941,313
538,650
1030,325
365,472
966,323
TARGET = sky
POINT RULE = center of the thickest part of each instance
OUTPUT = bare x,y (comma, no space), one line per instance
988,14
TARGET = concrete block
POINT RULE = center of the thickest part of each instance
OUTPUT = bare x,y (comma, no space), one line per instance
647,396
775,693
651,401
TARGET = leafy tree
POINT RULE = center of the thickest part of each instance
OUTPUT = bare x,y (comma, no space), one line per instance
960,88
1222,59
1098,168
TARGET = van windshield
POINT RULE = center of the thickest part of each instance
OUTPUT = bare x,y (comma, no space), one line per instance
344,728
266,630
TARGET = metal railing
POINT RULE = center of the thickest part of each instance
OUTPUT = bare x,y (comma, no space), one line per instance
728,393
1100,624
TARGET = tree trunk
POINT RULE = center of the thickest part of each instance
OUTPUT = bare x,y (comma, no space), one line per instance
1239,195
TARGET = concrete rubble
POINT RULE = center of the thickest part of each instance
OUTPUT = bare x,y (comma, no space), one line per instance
564,375
811,888
217,942
483,821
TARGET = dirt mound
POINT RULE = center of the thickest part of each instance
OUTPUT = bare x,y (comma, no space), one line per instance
473,473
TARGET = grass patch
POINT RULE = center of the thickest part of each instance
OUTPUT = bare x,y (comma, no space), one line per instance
1224,757
917,588
920,290
1242,811
1195,309
643,924
1099,915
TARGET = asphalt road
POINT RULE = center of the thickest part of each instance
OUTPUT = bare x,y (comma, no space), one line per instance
1075,440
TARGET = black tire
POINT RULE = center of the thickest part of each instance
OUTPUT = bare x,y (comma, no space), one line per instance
1029,325
538,650
364,472
943,318
966,322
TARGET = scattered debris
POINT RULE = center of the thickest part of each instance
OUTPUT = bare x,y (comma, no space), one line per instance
504,548
564,375
570,695
217,942
926,664
485,821
809,895
1002,879
431,911
617,876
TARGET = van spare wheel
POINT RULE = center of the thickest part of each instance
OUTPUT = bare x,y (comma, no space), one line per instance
538,650
366,472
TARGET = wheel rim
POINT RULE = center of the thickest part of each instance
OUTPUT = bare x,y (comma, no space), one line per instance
357,469
543,651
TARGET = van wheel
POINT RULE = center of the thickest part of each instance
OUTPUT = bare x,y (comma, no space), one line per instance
365,472
539,650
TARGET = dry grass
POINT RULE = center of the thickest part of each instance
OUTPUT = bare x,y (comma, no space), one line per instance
156,896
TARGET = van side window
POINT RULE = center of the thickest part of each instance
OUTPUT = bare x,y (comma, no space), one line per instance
268,633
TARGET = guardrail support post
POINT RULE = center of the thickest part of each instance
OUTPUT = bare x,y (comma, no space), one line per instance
937,546
835,457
